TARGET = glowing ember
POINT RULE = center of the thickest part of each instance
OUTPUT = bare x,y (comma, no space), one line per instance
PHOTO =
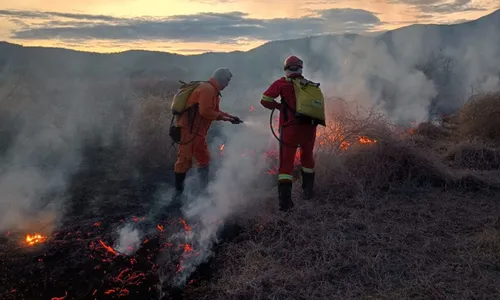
186,226
35,239
366,140
221,147
108,248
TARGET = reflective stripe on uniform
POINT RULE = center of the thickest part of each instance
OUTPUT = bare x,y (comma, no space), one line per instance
267,98
307,170
285,177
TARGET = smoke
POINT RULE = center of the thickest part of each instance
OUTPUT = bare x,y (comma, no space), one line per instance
50,121
241,166
129,240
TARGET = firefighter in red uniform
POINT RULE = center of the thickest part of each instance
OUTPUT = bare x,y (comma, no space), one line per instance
294,132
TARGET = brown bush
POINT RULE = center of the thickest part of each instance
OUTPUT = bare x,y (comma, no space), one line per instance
431,131
480,117
386,161
474,154
390,164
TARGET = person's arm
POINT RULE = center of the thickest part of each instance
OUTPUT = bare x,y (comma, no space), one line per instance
207,105
269,95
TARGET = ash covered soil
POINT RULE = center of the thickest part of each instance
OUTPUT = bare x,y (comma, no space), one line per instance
78,260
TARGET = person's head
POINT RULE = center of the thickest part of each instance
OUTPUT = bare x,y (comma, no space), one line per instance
223,77
293,66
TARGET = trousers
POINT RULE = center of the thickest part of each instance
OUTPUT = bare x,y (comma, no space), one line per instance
197,149
293,137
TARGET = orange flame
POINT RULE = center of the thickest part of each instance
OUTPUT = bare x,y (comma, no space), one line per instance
35,239
366,140
111,250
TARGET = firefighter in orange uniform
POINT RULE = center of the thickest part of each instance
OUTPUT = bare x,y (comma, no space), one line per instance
294,131
195,126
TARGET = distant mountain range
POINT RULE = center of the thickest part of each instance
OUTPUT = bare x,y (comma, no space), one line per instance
474,48
60,61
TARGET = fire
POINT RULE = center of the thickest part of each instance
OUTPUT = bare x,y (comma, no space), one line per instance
366,140
108,248
35,239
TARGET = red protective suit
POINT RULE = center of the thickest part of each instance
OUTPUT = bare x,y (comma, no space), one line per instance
194,132
292,132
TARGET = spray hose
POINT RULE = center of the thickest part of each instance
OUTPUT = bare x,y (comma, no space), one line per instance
274,133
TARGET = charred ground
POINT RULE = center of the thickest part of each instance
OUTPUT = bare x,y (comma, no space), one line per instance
414,215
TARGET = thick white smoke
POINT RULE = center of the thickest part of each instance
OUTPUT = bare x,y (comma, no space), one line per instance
129,240
51,120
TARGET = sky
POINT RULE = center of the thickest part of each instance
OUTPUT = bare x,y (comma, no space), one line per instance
196,26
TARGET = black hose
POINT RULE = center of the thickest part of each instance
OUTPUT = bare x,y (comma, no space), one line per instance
274,133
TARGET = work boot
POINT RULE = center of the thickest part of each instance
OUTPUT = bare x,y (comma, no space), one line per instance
203,178
308,185
285,195
179,189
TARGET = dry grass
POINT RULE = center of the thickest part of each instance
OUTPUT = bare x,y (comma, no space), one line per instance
389,248
480,117
403,218
391,221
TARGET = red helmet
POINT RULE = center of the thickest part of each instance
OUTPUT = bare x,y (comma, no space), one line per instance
293,61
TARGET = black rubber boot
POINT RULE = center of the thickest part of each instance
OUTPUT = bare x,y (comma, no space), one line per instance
203,177
308,184
285,195
179,189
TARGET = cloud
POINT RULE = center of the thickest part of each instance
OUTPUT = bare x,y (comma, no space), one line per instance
442,6
203,27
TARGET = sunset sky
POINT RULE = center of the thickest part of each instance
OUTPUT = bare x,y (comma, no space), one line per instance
194,26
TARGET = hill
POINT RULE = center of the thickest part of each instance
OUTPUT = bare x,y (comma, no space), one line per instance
466,54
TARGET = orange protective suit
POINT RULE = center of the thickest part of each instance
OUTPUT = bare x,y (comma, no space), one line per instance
194,130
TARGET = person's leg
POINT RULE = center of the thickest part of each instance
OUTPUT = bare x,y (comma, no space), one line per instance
286,159
202,156
182,165
308,137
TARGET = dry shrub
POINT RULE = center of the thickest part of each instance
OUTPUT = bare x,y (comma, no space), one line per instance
385,161
333,178
392,164
474,154
431,131
480,117
150,144
419,141
348,123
